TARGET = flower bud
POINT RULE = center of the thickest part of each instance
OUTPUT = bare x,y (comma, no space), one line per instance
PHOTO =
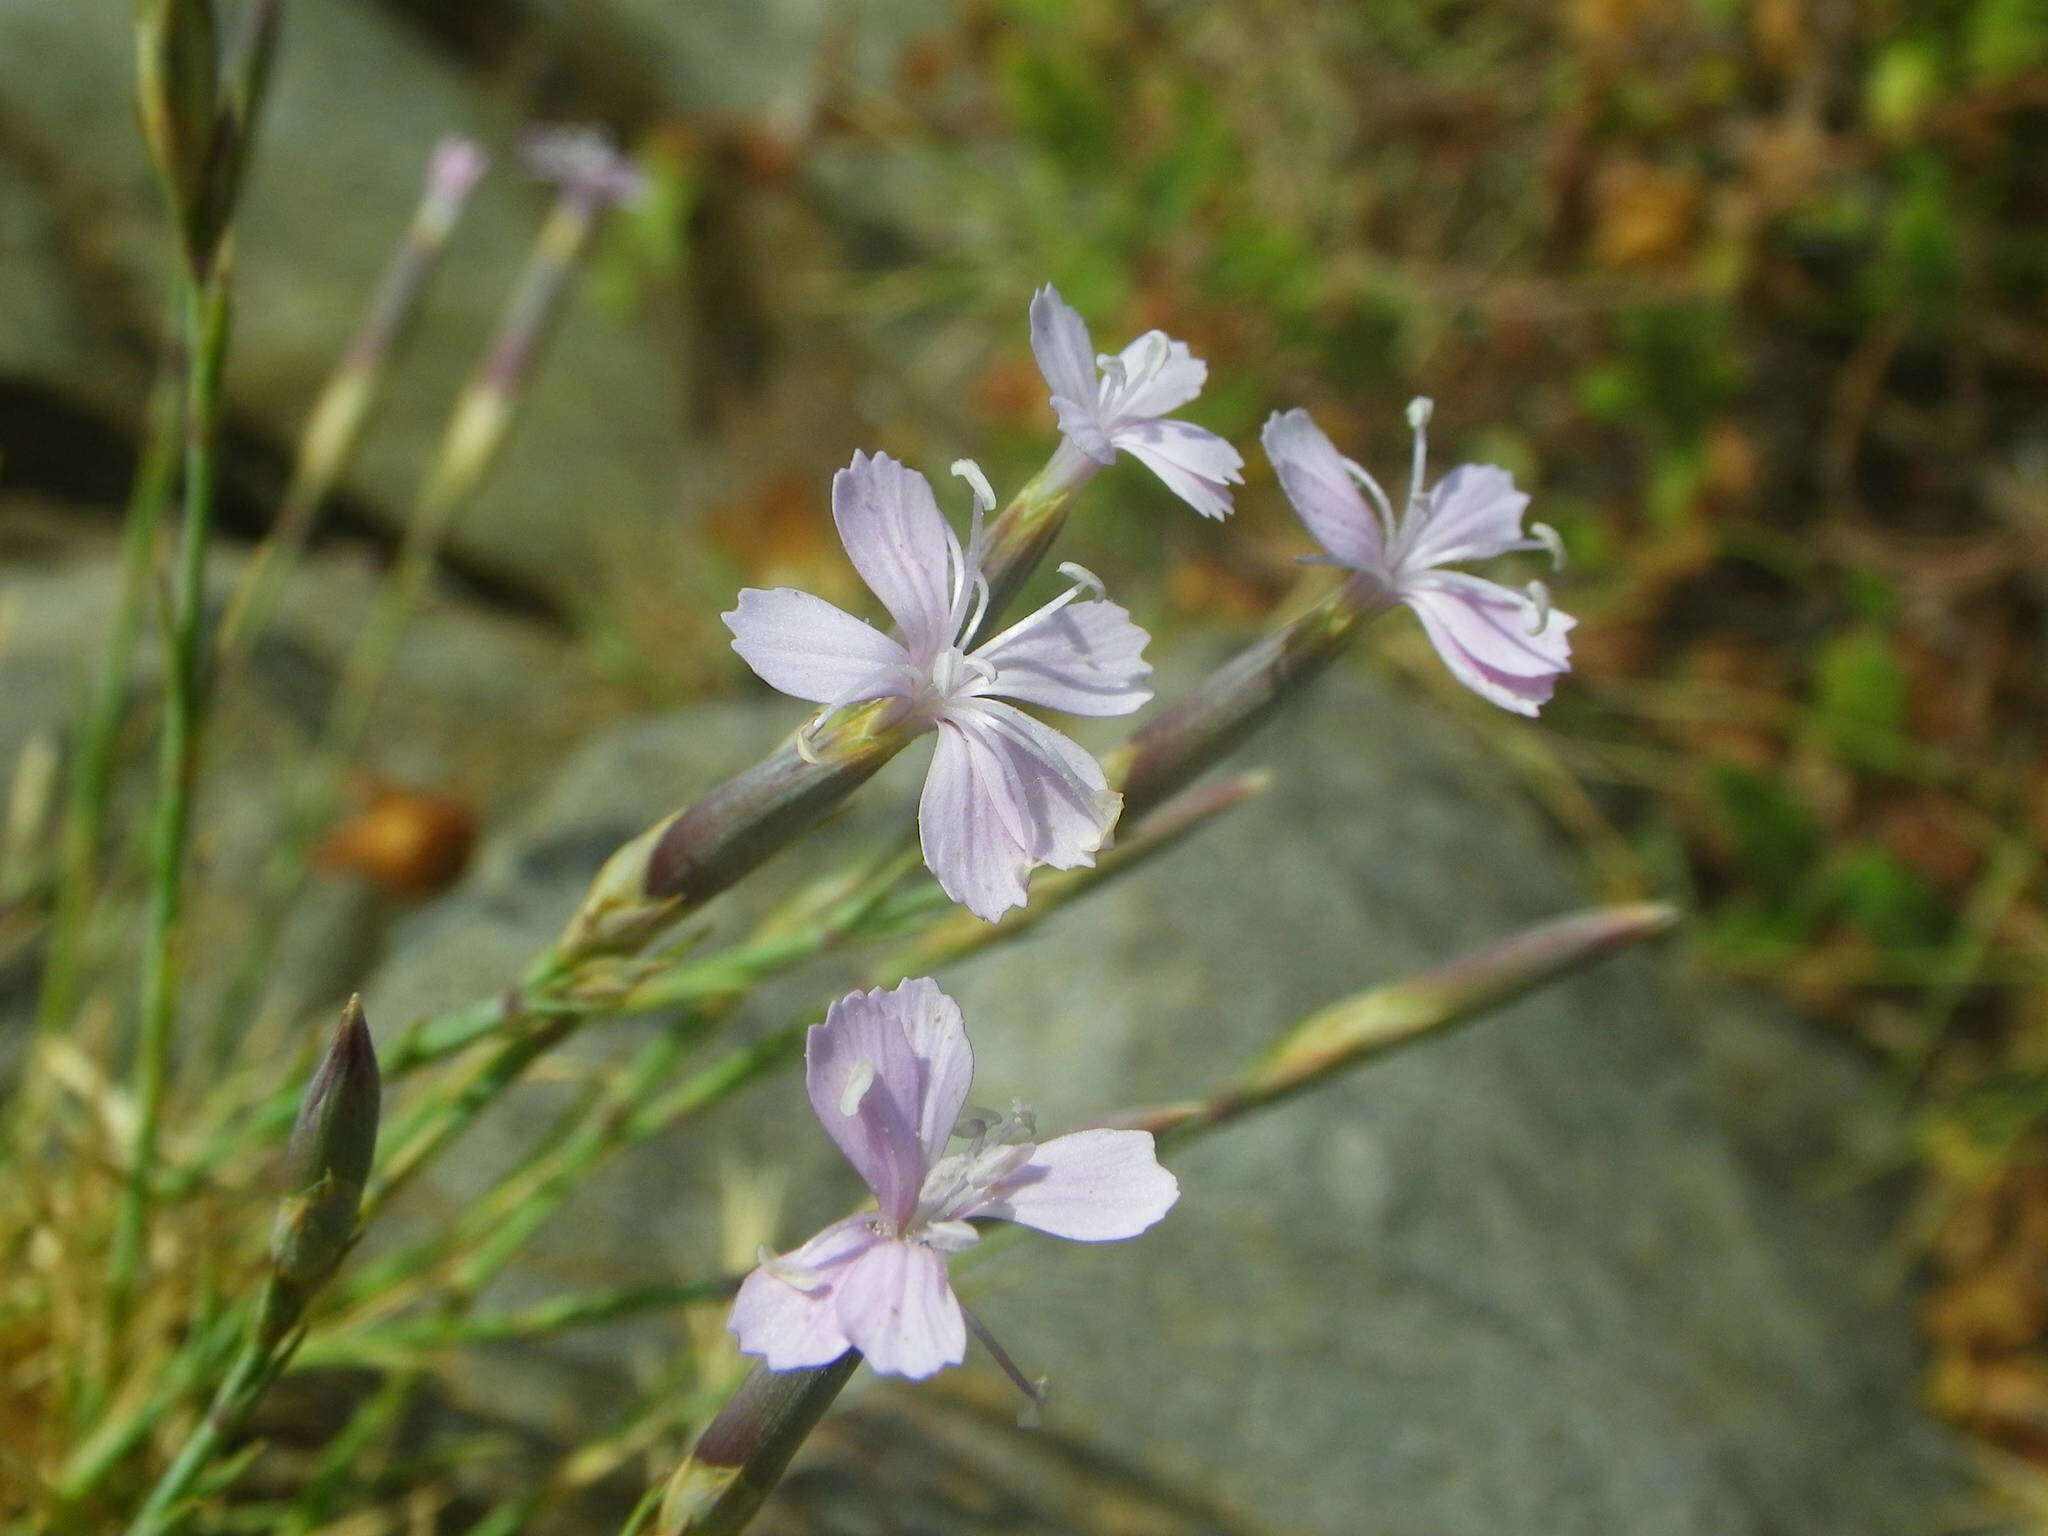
328,1161
177,89
1372,1024
744,1451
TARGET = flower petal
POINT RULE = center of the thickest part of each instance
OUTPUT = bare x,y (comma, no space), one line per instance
1474,513
887,1074
790,1326
897,1306
1056,802
1482,631
1196,464
1330,506
1086,659
965,819
809,649
1092,1186
1065,352
901,545
1176,376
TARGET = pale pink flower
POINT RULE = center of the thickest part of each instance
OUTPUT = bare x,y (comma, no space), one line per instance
584,162
888,1073
1006,792
1118,403
1506,645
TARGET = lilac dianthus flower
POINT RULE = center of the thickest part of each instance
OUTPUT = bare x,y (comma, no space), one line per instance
1506,645
1006,793
888,1074
1106,404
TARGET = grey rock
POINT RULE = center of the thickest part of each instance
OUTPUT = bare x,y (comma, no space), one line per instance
1568,1271
357,104
456,665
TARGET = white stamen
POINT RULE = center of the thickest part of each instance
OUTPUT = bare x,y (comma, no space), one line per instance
1539,594
1547,537
984,670
1084,578
1371,487
984,493
1420,409
856,1088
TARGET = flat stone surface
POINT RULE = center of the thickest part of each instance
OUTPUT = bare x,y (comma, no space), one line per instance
1583,1267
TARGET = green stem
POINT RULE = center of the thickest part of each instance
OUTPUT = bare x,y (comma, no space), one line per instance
206,325
253,1369
93,765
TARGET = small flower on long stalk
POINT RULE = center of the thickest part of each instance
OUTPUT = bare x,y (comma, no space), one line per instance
1119,403
888,1074
1507,646
1006,793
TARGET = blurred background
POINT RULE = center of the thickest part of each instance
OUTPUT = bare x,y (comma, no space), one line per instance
1751,297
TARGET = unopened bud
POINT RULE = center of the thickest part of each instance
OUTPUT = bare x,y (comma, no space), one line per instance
744,1451
328,1161
1372,1024
177,91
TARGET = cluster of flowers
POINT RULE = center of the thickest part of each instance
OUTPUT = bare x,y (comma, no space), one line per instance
888,1071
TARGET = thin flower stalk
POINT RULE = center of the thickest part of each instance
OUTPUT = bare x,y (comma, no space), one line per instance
352,394
483,414
206,325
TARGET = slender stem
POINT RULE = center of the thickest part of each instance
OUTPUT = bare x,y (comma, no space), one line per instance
206,326
93,764
253,1370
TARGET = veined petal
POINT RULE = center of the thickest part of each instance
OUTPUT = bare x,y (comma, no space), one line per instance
966,823
931,1021
1091,1186
789,1325
1165,377
897,1306
1483,632
1330,506
1086,659
1474,513
887,1074
1063,804
1196,464
809,649
902,546
1065,353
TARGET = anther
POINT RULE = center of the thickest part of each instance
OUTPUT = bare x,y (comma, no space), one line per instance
856,1088
1552,544
1539,594
1084,578
984,493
